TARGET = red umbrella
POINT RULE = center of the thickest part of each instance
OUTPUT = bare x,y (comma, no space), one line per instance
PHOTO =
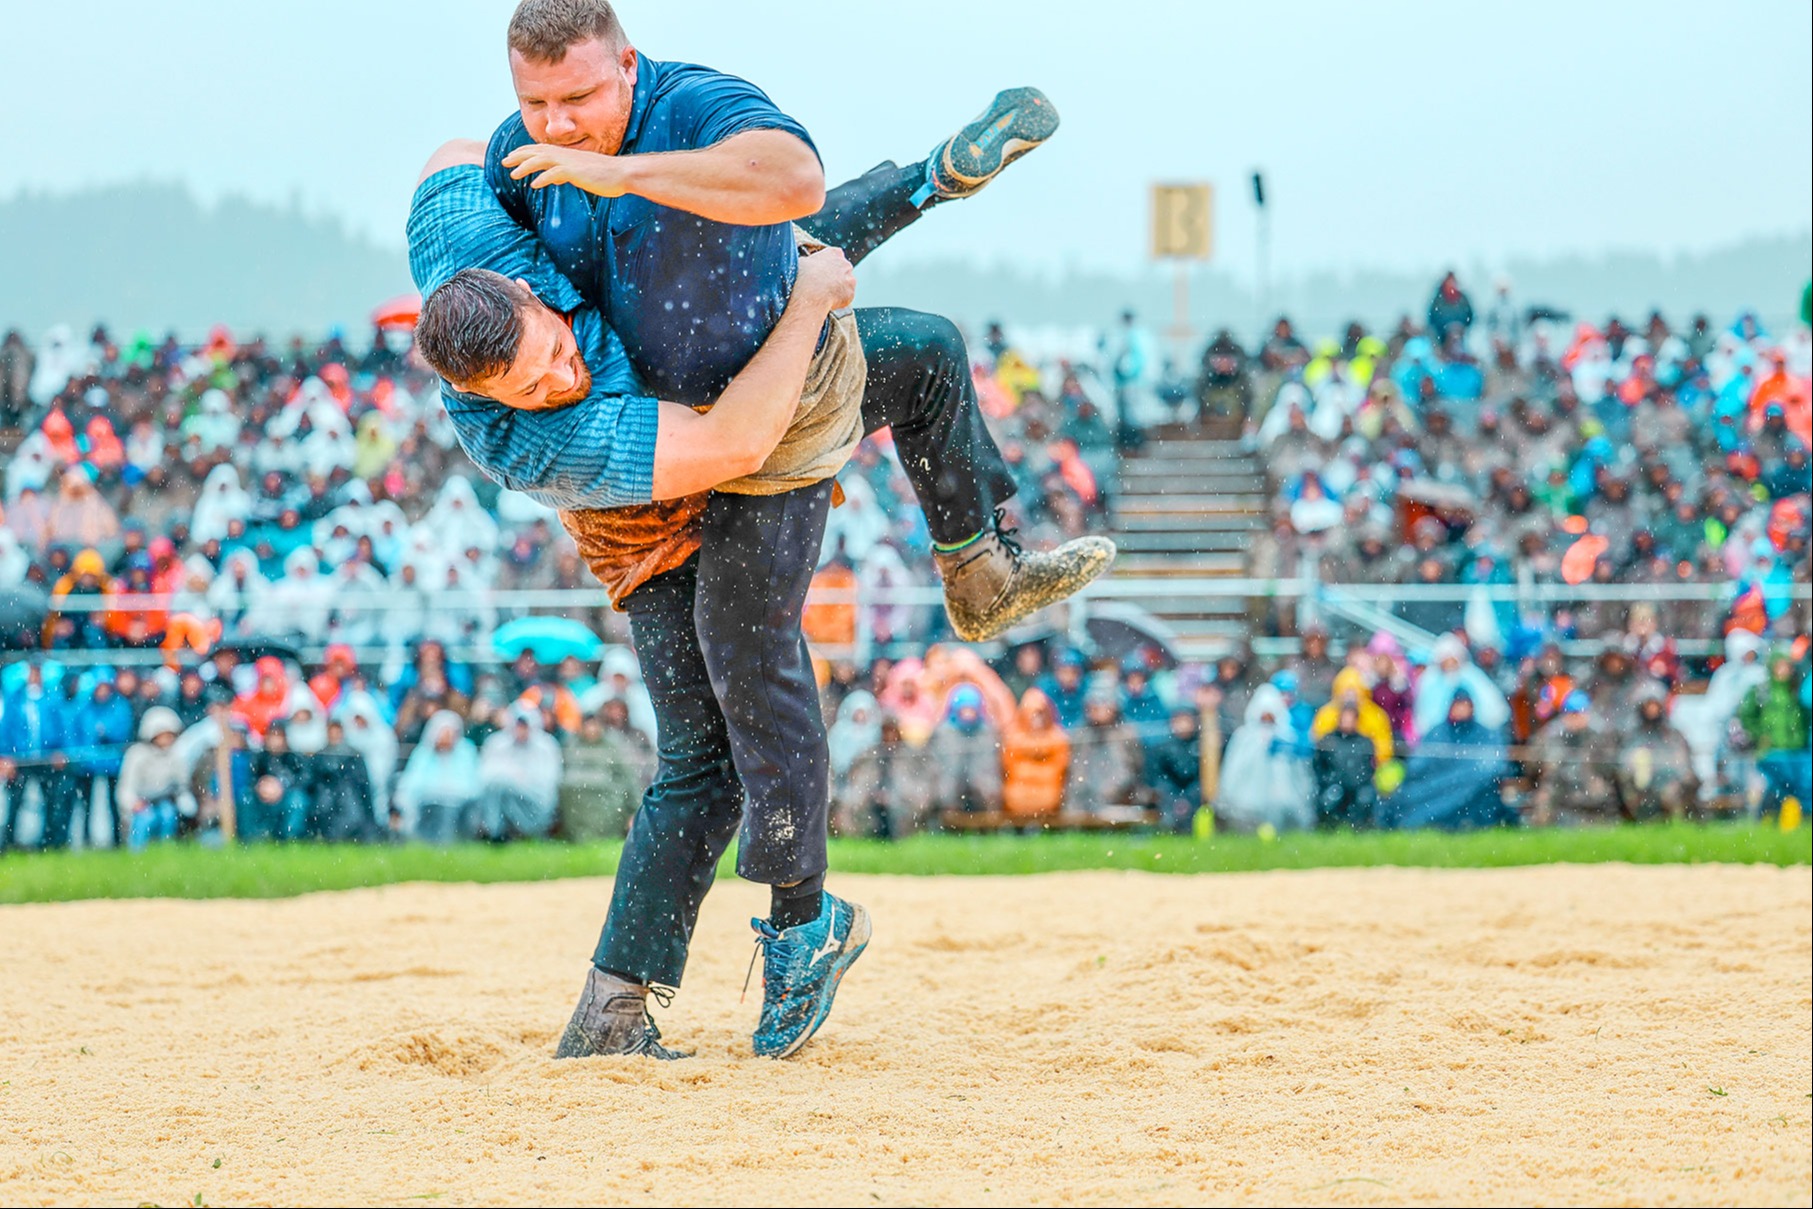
400,312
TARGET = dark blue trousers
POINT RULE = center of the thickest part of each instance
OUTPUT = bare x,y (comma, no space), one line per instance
741,740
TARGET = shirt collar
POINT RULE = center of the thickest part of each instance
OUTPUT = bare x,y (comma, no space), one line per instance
640,99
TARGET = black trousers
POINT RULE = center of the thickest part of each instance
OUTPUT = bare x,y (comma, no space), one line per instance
741,739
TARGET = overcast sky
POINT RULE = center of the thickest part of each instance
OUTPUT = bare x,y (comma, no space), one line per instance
1395,135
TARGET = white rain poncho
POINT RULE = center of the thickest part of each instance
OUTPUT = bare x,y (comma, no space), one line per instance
60,358
1436,687
443,777
213,426
859,523
222,499
1706,719
857,729
301,602
372,737
1264,778
458,520
306,723
33,466
531,767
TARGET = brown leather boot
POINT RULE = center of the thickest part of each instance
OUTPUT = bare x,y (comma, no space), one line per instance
991,585
612,1018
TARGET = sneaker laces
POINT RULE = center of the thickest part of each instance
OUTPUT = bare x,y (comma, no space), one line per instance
761,947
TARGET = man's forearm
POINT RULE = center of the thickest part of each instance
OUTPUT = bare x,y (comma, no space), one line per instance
755,178
752,179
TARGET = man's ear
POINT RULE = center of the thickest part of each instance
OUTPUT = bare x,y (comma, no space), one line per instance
524,283
626,59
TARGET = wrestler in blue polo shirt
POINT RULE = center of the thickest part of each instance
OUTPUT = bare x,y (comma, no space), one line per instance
691,298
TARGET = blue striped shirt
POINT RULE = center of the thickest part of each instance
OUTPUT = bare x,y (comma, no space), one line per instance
598,453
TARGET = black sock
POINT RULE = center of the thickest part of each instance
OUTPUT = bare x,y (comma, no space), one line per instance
791,906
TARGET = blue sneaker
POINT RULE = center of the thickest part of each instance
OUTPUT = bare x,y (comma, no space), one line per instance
801,968
1015,122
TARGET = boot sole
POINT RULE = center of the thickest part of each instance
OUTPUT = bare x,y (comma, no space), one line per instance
983,148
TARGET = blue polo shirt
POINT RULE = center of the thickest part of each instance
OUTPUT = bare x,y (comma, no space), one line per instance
692,299
597,453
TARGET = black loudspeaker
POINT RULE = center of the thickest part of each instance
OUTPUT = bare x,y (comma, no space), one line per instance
1258,189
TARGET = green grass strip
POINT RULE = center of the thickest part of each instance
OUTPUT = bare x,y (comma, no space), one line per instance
278,871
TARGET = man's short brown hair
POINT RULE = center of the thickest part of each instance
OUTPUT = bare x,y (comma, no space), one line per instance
543,30
471,327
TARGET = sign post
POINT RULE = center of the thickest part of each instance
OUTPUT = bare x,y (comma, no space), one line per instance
1183,230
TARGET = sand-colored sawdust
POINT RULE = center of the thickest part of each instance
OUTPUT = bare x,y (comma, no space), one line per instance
1575,1034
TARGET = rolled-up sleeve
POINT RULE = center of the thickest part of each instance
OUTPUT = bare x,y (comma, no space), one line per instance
456,222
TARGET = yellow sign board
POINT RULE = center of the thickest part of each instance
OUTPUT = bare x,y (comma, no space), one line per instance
1183,220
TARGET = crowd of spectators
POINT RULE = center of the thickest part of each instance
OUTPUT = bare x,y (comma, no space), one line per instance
267,584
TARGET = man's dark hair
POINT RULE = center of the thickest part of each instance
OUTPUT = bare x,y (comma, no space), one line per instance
542,30
471,326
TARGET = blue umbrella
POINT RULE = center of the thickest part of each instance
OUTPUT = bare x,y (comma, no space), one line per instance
550,638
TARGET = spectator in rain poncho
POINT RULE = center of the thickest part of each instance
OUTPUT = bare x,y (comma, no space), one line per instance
299,604
80,516
222,500
439,783
857,727
374,446
1265,780
905,698
32,469
1349,691
305,720
356,589
620,677
965,754
859,522
1453,780
152,791
887,792
1775,718
1390,685
1312,511
463,623
1705,720
213,425
371,736
458,520
1450,671
235,594
1035,760
15,561
269,699
406,616
60,358
519,770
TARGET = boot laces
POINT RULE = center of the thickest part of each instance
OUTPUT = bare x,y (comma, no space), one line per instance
1007,534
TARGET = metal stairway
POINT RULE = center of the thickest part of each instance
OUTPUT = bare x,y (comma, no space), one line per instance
1186,509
